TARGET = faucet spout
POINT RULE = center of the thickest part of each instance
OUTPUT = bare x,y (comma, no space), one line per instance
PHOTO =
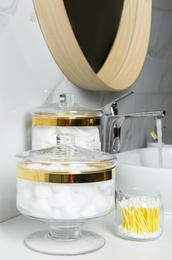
156,114
112,127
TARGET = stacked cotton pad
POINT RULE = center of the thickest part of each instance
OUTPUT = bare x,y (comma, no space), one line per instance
86,137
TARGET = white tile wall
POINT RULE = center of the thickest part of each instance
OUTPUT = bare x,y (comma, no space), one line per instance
153,89
29,77
18,9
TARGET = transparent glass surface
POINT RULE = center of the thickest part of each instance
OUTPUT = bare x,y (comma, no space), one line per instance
66,152
65,201
66,117
71,242
85,137
66,108
64,207
139,214
64,186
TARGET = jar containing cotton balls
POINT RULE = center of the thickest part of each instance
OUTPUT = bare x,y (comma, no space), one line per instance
64,186
66,117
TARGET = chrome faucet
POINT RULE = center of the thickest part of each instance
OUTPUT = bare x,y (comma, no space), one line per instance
112,123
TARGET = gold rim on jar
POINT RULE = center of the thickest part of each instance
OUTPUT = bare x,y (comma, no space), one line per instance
54,121
65,177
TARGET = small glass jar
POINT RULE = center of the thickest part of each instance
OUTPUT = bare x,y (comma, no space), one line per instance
66,117
139,214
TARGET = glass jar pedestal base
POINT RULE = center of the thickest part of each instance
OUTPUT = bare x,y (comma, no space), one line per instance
53,242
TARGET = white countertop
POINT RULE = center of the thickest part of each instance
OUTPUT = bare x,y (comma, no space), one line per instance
13,232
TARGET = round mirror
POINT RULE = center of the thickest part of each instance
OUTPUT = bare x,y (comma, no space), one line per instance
97,45
95,25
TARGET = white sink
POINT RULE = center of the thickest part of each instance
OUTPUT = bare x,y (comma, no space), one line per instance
140,168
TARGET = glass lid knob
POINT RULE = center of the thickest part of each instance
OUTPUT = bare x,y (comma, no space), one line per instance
65,139
66,100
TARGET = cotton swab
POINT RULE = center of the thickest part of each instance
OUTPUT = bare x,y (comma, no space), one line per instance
140,217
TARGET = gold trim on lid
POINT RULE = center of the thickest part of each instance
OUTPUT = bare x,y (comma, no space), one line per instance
54,121
65,177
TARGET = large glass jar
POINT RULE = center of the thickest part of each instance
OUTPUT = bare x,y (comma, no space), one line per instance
66,117
64,186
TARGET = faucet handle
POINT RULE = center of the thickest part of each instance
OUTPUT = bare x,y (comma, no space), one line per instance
114,107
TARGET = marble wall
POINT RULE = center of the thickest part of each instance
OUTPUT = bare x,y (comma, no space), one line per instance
29,77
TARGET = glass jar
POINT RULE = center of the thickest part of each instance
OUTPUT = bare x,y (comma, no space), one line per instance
66,117
139,214
64,186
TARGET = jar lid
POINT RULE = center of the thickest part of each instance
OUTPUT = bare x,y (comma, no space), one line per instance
66,110
63,161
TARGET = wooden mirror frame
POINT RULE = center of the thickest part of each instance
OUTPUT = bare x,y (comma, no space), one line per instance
125,59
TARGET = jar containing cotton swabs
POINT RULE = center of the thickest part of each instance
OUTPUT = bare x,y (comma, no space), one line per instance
139,214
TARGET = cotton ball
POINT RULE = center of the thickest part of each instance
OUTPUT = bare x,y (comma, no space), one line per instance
62,187
42,191
100,202
20,185
107,188
81,167
76,166
53,167
81,188
89,212
54,201
27,192
81,200
36,166
105,185
41,206
56,214
89,190
109,192
72,211
60,199
23,203
55,187
56,167
24,193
